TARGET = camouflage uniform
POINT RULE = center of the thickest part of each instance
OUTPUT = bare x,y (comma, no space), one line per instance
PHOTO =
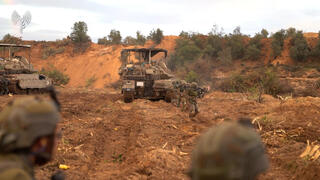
22,123
231,151
184,95
202,91
192,95
176,92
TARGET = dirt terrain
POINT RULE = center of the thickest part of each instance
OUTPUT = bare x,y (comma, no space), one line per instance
99,62
103,138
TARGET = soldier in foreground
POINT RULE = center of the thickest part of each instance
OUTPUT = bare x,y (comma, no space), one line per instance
230,151
27,136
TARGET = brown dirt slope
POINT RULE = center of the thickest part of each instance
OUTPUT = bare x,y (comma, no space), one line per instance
98,62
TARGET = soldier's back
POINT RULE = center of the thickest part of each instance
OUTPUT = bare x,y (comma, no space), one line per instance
14,167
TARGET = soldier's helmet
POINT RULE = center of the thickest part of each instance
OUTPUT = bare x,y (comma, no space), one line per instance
194,85
229,151
25,120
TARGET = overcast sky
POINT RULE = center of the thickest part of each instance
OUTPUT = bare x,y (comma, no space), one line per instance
53,19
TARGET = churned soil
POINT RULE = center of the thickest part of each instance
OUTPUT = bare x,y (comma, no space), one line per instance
103,138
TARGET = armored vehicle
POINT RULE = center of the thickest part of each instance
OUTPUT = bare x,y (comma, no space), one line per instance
17,75
144,77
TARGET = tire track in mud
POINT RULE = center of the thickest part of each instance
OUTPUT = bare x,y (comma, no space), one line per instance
142,128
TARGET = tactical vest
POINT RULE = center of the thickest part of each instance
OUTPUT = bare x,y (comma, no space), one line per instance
14,167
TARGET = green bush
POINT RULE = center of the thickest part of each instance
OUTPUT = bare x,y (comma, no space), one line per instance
51,52
199,40
299,50
291,32
57,76
278,42
185,51
129,40
214,45
276,48
141,39
256,40
264,33
225,56
253,52
114,37
235,42
79,37
79,33
11,39
184,34
192,77
156,36
91,81
64,42
265,80
103,41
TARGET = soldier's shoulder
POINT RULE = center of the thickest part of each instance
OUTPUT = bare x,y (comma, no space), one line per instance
15,173
12,167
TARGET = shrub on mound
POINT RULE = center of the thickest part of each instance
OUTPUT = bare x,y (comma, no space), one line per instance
58,77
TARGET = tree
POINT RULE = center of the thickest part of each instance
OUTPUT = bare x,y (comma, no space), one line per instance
235,42
141,39
11,39
156,36
237,31
253,50
103,41
278,42
79,33
300,49
200,40
256,40
291,32
264,33
276,48
114,37
215,30
214,45
184,34
129,40
280,36
225,56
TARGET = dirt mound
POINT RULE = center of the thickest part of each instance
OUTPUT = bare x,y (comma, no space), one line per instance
311,35
97,67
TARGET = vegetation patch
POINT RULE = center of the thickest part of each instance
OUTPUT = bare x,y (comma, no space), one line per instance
263,80
79,37
299,50
58,77
91,81
48,52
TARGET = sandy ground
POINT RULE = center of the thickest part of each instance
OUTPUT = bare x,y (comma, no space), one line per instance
103,138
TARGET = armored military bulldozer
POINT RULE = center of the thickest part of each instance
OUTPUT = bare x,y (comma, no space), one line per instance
144,77
17,75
